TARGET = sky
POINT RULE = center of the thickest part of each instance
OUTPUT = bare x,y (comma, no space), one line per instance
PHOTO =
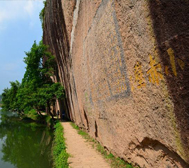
19,28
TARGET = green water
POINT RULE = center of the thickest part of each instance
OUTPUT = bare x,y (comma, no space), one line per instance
24,144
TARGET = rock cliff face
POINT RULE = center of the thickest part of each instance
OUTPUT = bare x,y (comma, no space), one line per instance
124,65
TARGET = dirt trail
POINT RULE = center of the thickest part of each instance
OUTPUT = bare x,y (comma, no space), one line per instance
82,153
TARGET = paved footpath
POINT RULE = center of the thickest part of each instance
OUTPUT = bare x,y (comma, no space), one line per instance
82,153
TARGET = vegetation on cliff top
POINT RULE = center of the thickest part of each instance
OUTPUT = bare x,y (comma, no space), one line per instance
42,14
37,90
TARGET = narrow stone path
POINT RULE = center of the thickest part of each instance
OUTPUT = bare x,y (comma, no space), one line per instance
82,153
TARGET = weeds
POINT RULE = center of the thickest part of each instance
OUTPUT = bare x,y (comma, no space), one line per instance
116,162
74,126
60,156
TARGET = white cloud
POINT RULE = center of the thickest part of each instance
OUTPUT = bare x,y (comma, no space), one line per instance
3,15
10,67
2,27
18,10
29,8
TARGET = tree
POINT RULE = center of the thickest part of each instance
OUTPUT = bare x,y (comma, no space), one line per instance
48,94
37,90
5,99
9,98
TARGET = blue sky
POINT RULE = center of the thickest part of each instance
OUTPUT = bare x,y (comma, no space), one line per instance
19,27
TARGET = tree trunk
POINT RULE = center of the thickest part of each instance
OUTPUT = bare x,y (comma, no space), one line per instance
38,112
48,110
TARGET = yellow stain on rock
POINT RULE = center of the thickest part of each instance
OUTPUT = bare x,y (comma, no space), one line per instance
139,77
154,72
131,83
181,63
172,60
166,70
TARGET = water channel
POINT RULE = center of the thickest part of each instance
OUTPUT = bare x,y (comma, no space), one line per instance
24,144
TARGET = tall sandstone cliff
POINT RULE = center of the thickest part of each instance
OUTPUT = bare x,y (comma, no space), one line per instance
124,65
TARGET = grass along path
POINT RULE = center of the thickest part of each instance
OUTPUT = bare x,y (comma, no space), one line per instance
82,154
60,155
115,162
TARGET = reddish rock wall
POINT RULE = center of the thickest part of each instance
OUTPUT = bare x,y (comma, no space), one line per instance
126,74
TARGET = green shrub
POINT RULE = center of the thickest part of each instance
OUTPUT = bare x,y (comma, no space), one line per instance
48,120
33,115
60,156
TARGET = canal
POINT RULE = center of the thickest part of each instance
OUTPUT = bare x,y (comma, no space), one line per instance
24,144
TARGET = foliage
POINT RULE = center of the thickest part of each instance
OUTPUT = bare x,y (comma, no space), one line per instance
37,90
60,156
116,162
9,99
33,115
48,93
0,100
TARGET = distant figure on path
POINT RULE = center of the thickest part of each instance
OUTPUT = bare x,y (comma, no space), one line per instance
63,114
57,114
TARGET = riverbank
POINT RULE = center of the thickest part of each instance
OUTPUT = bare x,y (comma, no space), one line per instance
33,116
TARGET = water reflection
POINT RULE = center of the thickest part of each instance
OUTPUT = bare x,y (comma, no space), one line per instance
23,144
